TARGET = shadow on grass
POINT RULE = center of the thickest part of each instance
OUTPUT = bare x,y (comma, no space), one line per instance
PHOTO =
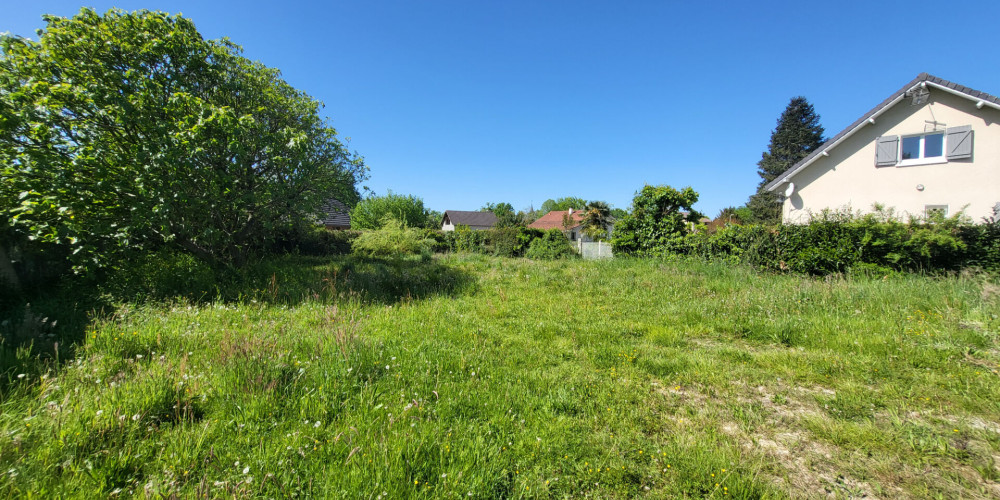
41,330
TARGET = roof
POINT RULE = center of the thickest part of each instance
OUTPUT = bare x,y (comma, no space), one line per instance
466,218
554,220
335,213
924,79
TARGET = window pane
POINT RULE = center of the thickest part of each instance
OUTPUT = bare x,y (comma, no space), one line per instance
911,148
933,145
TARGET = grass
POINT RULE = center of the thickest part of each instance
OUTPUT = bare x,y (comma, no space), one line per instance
469,376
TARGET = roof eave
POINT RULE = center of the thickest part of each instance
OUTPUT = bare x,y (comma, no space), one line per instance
981,99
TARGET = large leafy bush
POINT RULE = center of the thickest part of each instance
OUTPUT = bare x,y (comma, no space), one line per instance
552,245
656,224
371,212
128,132
393,239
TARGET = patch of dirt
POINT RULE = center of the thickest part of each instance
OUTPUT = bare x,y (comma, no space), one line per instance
804,466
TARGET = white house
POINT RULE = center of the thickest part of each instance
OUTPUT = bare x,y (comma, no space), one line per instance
932,146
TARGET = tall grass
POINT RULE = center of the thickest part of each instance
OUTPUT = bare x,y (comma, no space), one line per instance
471,376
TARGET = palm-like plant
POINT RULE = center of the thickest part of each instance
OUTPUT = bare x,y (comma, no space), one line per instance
596,220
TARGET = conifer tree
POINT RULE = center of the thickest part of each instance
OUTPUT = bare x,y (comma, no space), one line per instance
797,134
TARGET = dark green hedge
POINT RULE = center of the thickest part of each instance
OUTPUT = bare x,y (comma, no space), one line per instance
503,242
841,243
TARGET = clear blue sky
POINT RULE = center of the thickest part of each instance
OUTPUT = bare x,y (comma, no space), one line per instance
464,102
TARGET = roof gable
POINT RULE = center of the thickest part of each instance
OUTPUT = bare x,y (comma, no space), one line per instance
335,213
923,79
554,220
469,218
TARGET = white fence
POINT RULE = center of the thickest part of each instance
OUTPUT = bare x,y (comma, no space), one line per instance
596,250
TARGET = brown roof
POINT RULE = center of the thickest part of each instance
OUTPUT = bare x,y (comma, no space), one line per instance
922,77
467,218
335,213
554,220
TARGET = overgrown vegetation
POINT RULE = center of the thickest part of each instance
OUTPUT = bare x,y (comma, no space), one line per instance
126,133
515,378
657,222
843,242
393,239
551,246
372,212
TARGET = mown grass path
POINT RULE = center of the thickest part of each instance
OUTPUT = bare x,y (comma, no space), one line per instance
478,377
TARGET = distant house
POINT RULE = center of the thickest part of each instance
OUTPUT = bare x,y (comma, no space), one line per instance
474,220
335,215
568,221
931,146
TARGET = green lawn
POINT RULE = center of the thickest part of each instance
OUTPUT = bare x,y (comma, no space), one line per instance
476,377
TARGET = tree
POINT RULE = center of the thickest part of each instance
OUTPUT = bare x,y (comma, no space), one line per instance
797,134
372,212
506,216
130,131
596,220
658,221
563,204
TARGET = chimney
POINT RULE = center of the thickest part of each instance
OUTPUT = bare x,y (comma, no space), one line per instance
571,212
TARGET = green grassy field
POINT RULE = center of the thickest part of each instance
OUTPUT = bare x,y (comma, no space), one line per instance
476,377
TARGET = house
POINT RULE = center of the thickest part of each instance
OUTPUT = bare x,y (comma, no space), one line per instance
335,215
474,220
931,146
569,221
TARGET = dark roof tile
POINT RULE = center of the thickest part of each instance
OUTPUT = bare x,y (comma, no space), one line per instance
468,218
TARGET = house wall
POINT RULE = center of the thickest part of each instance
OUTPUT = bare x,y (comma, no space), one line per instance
848,178
451,227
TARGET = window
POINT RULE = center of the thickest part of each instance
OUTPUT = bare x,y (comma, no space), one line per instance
922,147
952,144
935,210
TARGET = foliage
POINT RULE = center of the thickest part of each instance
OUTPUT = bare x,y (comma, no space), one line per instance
506,216
562,204
432,219
129,131
659,219
371,212
797,134
596,220
311,239
842,242
393,239
983,242
498,241
552,245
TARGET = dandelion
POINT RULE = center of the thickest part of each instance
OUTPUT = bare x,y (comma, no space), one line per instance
20,375
246,469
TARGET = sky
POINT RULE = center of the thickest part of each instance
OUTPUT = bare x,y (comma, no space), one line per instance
465,102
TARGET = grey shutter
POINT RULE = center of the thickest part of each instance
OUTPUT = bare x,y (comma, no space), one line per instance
886,149
959,142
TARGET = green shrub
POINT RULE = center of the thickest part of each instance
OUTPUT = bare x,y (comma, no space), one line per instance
392,239
371,212
315,240
659,219
846,242
502,241
158,275
552,245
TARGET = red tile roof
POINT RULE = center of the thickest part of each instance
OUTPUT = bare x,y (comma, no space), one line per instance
554,220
